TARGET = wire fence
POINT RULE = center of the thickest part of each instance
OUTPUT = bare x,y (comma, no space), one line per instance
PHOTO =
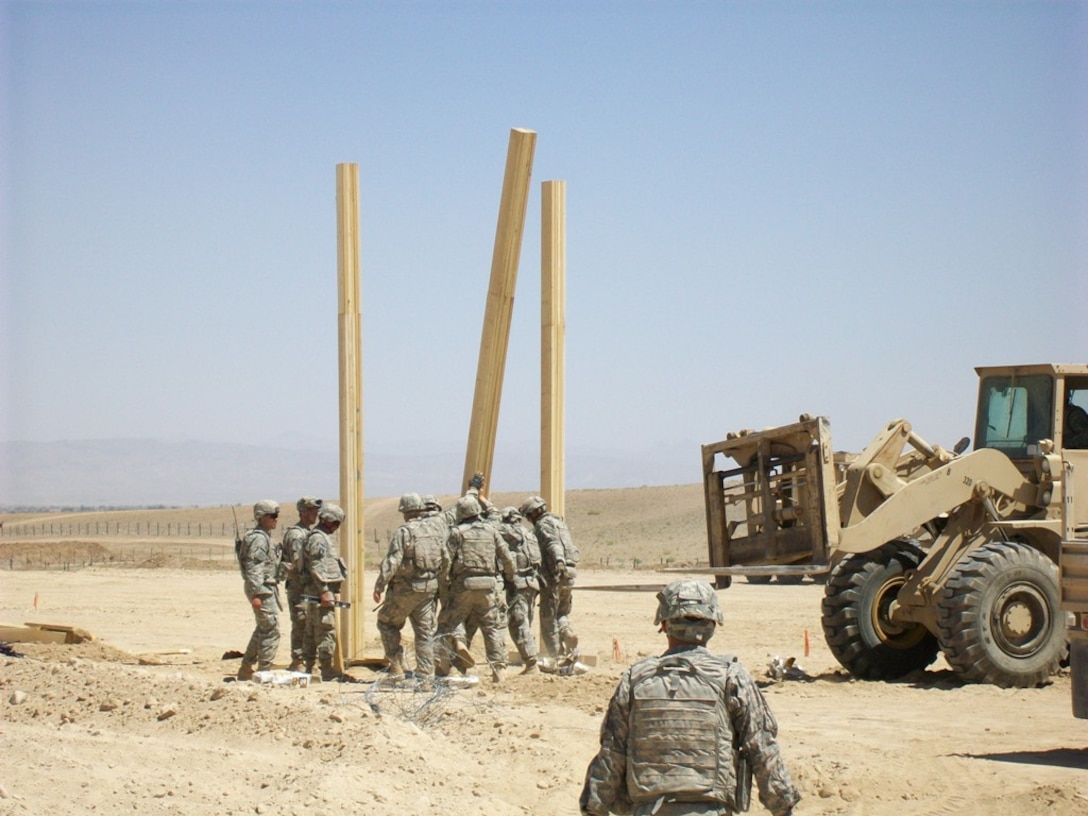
117,528
164,529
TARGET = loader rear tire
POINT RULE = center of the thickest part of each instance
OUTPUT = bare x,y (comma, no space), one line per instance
999,617
857,627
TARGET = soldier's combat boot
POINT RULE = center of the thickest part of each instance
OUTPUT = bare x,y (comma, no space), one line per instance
498,673
245,672
295,665
531,666
396,668
465,659
570,640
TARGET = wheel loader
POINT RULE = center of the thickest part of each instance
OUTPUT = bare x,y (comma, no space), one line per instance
1073,572
925,550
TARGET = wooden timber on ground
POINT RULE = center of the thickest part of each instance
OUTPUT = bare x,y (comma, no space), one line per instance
43,633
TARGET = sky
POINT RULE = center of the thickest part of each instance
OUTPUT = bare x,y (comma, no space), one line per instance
772,208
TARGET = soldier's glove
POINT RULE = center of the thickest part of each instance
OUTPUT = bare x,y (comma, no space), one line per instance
561,569
326,598
477,480
256,603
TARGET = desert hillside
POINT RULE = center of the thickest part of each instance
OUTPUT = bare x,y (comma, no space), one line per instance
652,526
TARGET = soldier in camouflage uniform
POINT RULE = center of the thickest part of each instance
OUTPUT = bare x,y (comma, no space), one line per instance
259,560
522,586
470,586
683,730
294,540
559,558
410,570
322,572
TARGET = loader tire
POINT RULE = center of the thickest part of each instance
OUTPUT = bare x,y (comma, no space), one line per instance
856,625
790,580
758,579
999,617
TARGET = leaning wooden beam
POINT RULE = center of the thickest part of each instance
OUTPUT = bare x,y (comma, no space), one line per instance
350,633
553,327
491,366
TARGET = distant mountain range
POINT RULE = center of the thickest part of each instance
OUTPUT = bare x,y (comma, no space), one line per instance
144,472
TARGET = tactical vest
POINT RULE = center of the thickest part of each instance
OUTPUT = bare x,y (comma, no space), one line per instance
680,743
427,537
269,569
322,561
525,553
294,540
562,532
477,552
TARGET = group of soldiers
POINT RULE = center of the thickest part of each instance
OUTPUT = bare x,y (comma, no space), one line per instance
476,568
684,733
307,564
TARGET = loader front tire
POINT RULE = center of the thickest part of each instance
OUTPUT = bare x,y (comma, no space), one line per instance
857,626
999,616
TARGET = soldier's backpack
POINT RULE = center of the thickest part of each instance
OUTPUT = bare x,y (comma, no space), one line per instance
428,536
680,737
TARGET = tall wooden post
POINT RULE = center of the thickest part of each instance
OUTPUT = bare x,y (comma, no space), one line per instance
483,425
553,329
351,637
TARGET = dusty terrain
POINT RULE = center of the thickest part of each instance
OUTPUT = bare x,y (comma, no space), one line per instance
142,721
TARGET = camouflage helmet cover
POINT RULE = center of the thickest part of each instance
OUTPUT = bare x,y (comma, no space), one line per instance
511,515
308,503
688,599
467,507
265,507
430,502
532,505
331,512
410,503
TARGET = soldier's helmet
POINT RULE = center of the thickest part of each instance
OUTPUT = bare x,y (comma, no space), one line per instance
467,507
533,506
690,610
308,503
265,507
511,515
410,503
430,502
330,512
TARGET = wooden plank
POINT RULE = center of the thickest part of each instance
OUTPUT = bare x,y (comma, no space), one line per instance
553,328
350,622
43,633
491,366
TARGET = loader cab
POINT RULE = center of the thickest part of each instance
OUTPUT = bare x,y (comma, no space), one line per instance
1021,406
1015,413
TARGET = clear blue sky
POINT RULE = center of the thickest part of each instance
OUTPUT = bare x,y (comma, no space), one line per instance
836,208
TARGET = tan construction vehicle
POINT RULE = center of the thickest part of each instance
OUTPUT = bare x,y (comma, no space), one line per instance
925,550
1073,572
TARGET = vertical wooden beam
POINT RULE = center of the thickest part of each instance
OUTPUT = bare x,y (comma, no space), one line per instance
553,329
490,368
351,637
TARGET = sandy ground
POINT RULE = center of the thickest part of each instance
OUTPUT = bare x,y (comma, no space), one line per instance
91,728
